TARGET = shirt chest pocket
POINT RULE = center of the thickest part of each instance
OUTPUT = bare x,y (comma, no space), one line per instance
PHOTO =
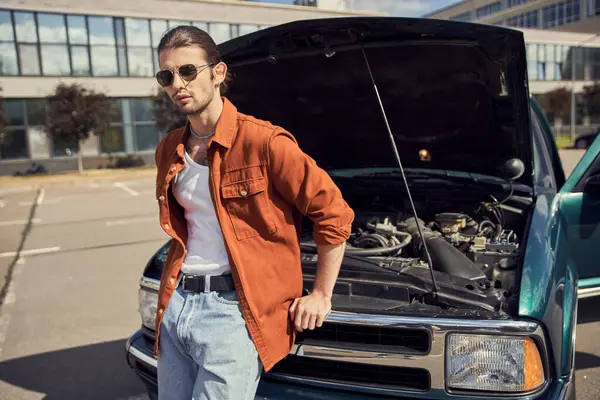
248,207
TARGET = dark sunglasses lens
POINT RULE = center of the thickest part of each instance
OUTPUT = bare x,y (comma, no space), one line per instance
164,78
188,72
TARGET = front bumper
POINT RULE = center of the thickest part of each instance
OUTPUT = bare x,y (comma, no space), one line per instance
139,352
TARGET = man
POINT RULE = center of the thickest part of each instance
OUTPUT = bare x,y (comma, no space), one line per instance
231,190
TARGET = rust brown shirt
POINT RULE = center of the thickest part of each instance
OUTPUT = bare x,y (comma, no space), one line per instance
261,183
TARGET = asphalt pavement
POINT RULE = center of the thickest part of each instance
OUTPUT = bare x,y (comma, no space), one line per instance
71,301
71,256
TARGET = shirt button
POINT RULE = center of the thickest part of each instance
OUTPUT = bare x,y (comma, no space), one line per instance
167,226
160,311
171,281
173,169
243,193
161,198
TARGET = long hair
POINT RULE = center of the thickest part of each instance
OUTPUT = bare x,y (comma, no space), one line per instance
188,35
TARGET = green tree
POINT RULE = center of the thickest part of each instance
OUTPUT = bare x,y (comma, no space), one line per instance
558,102
75,112
166,113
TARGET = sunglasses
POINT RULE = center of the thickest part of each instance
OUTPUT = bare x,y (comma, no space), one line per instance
187,72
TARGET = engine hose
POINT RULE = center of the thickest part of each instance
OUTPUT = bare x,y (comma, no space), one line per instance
444,256
357,251
370,238
484,223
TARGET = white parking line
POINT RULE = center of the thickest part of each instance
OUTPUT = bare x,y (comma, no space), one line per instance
129,221
129,190
31,252
20,189
20,222
40,198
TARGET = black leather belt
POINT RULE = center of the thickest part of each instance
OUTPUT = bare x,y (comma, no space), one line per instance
198,283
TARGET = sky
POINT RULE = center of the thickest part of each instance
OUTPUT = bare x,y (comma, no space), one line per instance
396,8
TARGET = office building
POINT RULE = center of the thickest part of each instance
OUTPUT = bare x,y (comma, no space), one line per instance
563,45
564,15
108,46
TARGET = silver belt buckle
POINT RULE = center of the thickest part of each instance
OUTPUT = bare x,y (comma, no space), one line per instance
182,281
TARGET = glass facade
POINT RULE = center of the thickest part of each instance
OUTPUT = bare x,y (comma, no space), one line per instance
514,3
53,44
553,62
489,9
465,17
526,20
547,17
561,13
593,8
133,130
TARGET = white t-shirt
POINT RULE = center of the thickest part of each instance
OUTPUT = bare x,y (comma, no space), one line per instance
206,254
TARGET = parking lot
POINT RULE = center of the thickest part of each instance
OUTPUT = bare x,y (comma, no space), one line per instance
70,301
72,298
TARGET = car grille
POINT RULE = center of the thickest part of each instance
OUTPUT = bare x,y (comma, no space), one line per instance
379,354
399,340
397,378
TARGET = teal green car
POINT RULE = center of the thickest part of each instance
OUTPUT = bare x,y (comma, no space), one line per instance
469,250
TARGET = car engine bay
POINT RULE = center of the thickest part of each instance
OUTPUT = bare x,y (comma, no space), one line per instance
474,249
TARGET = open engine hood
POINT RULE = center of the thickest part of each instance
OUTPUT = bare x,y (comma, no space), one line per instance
458,90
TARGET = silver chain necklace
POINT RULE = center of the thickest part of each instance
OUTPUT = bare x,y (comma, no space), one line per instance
202,137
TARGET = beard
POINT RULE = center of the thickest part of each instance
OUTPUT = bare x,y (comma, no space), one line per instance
197,106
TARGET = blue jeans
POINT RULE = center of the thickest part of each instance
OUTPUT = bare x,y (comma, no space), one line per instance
205,351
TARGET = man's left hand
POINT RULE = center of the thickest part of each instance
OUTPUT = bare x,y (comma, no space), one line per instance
310,311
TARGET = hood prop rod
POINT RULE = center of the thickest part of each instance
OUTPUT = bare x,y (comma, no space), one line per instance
412,204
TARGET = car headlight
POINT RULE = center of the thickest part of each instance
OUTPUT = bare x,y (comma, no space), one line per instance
148,301
493,363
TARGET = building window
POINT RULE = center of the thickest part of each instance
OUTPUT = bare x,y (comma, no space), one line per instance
146,134
246,29
39,144
77,28
52,28
25,27
140,61
201,25
13,143
6,29
554,62
28,59
55,60
220,32
8,59
465,17
514,3
593,7
489,9
79,45
80,60
138,32
8,52
104,61
526,20
101,31
561,13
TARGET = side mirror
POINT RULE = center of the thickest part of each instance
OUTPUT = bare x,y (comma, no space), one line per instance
592,186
